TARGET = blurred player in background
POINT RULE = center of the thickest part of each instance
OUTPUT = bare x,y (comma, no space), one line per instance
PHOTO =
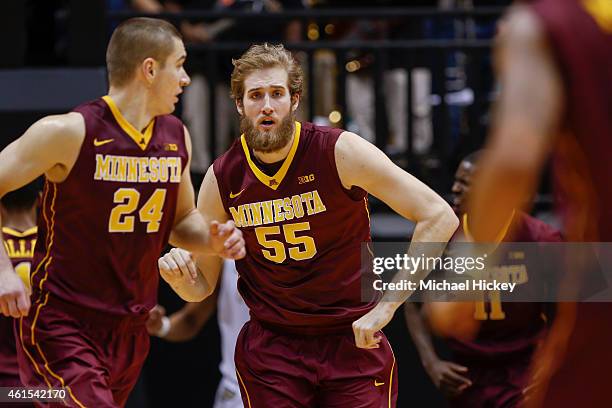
117,189
19,232
299,194
492,369
232,314
555,69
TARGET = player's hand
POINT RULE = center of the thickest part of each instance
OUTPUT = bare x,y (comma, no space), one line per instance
14,298
154,323
226,240
448,377
367,327
177,265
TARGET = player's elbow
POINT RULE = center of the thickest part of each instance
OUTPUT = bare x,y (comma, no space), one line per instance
444,220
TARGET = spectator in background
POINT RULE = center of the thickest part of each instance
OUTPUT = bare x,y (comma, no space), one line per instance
361,106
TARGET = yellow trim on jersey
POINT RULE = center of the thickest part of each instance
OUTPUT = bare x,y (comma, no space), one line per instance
244,388
274,181
135,134
498,238
391,375
365,201
45,261
38,371
49,225
42,355
18,234
44,377
601,11
48,257
391,381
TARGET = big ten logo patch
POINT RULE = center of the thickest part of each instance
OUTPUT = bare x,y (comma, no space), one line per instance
306,179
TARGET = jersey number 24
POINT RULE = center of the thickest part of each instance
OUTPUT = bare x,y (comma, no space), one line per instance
128,200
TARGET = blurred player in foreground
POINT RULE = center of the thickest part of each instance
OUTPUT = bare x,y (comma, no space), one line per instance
491,369
299,194
555,68
185,324
19,232
117,189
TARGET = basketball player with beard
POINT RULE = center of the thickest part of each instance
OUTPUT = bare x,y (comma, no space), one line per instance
299,193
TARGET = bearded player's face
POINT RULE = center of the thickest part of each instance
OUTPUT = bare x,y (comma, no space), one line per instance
266,112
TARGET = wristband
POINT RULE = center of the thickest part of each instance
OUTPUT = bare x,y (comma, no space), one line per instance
165,327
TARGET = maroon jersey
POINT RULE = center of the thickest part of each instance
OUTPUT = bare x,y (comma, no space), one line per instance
20,247
303,233
580,33
509,328
102,229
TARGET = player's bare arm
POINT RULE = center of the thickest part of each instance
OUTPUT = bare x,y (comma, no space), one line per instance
195,233
447,376
50,146
187,322
362,164
195,278
526,121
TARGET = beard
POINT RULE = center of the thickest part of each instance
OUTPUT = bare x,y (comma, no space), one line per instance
267,141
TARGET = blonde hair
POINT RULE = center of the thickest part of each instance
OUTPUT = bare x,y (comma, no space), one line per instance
261,56
135,40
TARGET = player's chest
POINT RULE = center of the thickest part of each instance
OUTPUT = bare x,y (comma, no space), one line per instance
299,198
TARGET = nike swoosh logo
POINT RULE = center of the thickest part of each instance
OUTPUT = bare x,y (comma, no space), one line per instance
102,142
232,195
377,384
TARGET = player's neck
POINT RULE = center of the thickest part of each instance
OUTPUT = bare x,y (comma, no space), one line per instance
133,105
277,155
20,220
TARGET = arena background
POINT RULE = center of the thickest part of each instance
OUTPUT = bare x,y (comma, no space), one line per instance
422,72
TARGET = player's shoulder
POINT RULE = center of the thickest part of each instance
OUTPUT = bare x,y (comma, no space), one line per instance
95,106
352,147
522,25
230,158
170,120
536,230
68,126
323,135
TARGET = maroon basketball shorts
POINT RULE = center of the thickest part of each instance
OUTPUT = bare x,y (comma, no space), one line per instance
97,357
495,384
289,371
